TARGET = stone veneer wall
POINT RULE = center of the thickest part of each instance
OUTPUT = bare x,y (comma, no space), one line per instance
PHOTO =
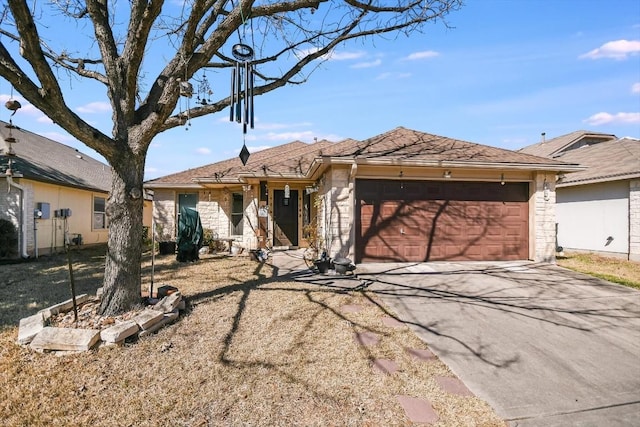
544,217
214,208
634,220
338,213
210,210
164,211
250,227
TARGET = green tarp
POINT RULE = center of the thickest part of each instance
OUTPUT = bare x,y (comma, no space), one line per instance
190,235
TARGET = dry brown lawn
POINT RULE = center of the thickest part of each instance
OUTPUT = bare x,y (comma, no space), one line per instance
612,269
251,349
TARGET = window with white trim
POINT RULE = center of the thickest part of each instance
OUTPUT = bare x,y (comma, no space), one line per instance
237,214
99,213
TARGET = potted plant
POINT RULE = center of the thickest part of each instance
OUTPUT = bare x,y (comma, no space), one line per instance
166,246
323,263
315,255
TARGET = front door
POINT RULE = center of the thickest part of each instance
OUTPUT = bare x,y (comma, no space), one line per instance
285,218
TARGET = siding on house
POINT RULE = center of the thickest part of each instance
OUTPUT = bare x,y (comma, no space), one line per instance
598,208
634,220
594,217
51,232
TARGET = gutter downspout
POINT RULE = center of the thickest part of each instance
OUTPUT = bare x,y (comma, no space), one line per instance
23,220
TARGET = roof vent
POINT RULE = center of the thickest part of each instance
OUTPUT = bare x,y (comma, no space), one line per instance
543,135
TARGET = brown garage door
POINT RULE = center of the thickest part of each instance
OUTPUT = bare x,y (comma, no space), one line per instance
416,221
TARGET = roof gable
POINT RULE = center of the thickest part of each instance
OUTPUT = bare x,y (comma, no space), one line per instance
229,169
606,161
42,159
410,145
570,141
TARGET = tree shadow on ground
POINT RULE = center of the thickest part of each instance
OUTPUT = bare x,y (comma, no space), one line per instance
529,291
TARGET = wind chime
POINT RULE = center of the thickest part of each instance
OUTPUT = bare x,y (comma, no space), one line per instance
241,105
204,91
11,105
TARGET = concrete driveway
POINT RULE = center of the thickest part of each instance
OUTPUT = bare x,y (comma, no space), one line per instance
544,346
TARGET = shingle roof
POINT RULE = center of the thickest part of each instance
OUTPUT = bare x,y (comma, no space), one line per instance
606,161
410,145
42,159
228,170
556,145
399,144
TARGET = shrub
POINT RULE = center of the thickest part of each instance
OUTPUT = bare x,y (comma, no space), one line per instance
146,237
8,239
209,239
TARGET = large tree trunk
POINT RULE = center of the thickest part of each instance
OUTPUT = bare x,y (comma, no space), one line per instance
122,281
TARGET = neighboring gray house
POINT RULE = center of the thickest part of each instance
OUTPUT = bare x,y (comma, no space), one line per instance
598,209
403,195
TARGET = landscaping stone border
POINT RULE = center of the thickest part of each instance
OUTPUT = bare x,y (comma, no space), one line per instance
36,332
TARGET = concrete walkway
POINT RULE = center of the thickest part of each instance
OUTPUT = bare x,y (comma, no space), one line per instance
542,345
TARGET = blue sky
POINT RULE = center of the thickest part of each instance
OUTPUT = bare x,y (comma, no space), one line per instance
507,71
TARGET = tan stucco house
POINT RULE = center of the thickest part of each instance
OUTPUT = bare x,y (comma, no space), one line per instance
51,192
598,209
403,195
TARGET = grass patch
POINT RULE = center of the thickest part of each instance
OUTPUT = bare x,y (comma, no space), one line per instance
615,270
252,349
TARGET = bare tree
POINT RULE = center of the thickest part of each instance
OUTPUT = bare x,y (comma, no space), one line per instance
289,37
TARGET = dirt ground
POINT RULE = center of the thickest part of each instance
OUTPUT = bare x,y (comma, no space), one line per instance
251,349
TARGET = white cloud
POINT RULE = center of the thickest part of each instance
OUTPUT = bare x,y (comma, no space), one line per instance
275,126
59,137
252,149
635,88
603,118
301,53
203,150
618,49
344,56
396,76
290,136
94,107
425,54
26,109
44,119
332,55
367,64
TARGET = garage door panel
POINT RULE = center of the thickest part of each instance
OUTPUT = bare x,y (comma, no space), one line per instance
431,224
475,231
514,231
413,251
491,250
513,211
